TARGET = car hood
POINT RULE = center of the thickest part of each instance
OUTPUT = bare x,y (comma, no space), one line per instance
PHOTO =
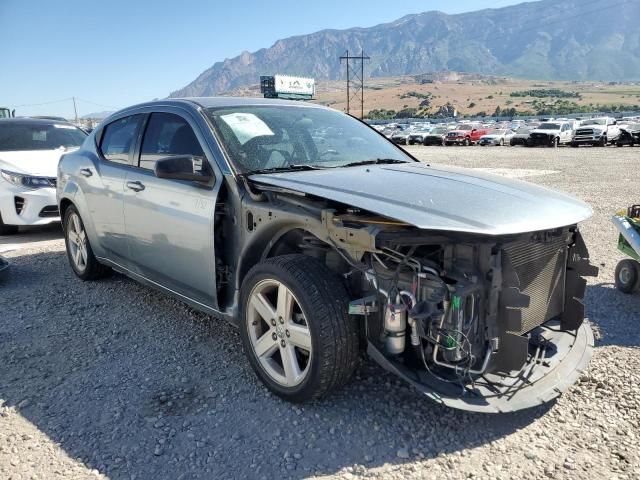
546,132
459,132
42,163
439,197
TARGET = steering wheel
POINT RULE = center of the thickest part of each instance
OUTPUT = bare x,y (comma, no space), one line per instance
284,161
330,151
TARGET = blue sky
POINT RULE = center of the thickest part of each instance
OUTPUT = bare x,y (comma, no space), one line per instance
114,53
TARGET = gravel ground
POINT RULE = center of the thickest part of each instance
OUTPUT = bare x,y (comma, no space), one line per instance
114,380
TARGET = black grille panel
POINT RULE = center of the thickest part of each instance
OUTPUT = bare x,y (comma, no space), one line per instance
19,204
49,211
585,131
540,269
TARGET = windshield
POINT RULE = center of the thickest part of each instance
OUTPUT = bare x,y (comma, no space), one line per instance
549,126
279,136
497,131
594,121
38,136
465,127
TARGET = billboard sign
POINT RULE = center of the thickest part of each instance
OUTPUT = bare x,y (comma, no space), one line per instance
284,84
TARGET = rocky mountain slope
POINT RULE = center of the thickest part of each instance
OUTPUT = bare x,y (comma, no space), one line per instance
548,39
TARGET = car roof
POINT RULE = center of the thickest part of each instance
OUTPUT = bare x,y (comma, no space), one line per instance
217,102
32,121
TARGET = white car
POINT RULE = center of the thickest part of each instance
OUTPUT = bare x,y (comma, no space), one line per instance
29,153
498,136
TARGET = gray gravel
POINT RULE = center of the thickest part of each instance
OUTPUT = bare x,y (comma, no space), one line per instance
112,379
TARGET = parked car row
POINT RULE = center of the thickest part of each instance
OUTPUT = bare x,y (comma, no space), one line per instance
550,132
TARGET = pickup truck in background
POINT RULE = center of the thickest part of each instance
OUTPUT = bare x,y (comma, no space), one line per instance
466,134
551,134
596,132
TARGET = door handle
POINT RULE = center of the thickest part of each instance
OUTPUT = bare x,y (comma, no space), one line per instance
135,186
86,172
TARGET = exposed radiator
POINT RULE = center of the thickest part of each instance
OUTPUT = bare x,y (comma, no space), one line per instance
540,268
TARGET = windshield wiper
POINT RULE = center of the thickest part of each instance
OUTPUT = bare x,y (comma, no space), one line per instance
287,168
374,161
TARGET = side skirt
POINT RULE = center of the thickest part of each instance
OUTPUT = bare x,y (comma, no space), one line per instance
201,307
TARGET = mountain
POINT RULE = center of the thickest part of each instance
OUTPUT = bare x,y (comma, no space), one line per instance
548,39
99,115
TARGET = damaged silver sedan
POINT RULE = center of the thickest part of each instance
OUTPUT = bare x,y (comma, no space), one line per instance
320,239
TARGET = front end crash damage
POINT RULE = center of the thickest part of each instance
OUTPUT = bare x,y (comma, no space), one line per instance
484,319
475,322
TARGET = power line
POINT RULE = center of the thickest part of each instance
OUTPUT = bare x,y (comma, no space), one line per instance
96,103
43,103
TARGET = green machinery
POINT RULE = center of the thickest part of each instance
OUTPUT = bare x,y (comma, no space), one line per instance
628,270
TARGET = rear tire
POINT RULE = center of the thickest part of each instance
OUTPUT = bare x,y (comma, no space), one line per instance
628,276
319,306
79,252
7,229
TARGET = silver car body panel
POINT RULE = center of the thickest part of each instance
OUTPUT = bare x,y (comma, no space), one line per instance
439,198
123,225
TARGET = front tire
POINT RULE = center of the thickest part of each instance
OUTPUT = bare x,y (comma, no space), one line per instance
7,229
79,252
628,276
295,327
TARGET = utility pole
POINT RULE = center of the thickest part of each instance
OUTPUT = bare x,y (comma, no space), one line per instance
357,81
75,109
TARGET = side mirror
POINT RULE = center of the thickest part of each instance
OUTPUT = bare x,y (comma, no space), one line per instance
474,130
181,167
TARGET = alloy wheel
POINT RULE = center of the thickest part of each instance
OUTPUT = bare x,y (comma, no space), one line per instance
279,333
77,242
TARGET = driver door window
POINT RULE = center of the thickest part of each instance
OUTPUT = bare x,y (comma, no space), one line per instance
168,135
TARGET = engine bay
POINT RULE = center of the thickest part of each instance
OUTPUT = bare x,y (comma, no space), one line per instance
476,323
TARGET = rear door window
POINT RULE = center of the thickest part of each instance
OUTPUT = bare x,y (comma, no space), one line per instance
168,135
118,138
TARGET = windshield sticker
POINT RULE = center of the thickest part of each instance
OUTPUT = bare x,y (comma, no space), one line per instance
68,127
246,126
39,136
